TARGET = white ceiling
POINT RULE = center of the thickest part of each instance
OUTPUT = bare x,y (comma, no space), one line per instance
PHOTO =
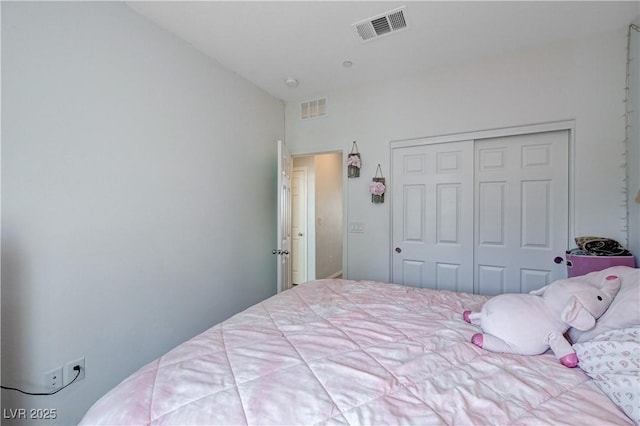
267,42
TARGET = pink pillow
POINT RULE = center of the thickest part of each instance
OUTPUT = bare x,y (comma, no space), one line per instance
623,312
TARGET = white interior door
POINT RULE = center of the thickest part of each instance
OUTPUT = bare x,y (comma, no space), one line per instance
299,225
432,216
283,267
522,189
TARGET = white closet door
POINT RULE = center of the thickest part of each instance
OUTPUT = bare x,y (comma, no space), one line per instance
521,214
432,190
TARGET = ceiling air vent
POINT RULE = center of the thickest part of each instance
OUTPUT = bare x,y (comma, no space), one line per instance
380,25
311,109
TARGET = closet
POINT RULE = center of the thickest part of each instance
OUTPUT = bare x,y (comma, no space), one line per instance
484,214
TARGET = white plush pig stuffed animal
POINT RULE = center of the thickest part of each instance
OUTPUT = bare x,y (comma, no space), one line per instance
529,324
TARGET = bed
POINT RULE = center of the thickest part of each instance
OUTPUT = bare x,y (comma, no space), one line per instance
362,352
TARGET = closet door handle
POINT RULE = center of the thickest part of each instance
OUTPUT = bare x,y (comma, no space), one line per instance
398,250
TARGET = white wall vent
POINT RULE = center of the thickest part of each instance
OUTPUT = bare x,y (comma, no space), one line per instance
315,108
382,24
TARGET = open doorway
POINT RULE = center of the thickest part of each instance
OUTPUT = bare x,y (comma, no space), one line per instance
316,217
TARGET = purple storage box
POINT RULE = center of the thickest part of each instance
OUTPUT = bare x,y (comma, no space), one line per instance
581,265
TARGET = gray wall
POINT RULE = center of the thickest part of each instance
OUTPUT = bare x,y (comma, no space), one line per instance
138,182
581,80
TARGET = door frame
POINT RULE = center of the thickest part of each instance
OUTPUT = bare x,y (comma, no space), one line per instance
568,125
345,197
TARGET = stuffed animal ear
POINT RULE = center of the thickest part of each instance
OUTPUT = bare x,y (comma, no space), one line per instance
577,316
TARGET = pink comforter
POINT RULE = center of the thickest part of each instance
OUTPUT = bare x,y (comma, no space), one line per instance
346,352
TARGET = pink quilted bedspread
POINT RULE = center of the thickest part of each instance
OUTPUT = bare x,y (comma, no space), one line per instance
347,352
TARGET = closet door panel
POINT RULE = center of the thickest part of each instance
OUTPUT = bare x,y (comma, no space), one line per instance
413,213
432,195
490,279
524,225
536,214
448,215
491,212
448,276
532,279
413,272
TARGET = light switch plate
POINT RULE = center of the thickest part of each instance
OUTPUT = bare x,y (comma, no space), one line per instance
356,227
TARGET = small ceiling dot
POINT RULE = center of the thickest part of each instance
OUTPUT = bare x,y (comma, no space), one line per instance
347,64
291,82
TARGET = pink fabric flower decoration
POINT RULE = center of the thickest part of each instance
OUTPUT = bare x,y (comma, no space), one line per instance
354,161
377,188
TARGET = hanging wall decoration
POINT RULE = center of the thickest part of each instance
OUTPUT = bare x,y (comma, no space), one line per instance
377,188
354,162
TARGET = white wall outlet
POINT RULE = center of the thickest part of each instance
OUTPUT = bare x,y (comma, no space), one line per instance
71,373
53,379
